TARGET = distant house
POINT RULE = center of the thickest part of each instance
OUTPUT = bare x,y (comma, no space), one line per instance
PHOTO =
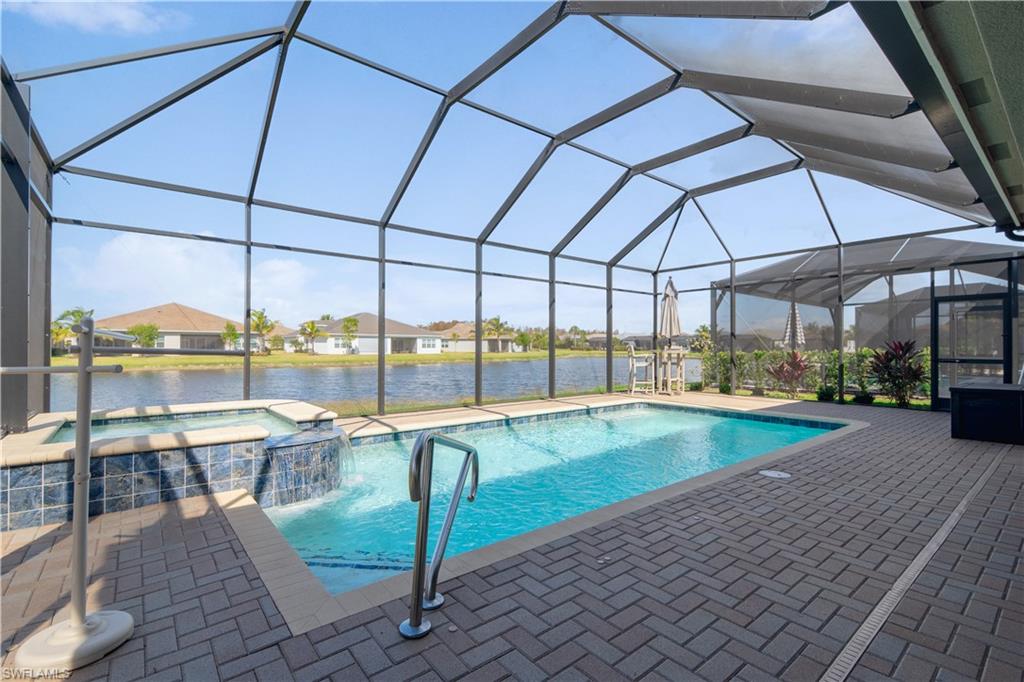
181,326
461,338
398,337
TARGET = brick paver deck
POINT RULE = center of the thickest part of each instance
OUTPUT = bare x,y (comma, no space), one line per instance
749,578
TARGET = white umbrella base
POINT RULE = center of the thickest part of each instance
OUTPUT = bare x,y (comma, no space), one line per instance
64,646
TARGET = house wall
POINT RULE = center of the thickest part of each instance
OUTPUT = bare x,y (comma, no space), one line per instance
458,346
428,345
168,341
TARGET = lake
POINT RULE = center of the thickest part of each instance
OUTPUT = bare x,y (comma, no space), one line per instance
427,383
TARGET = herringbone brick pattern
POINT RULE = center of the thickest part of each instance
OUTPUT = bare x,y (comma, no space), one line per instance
749,578
964,616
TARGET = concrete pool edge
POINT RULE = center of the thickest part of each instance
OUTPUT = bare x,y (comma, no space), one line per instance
31,447
305,604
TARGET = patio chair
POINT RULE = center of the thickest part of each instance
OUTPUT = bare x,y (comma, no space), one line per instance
674,370
643,362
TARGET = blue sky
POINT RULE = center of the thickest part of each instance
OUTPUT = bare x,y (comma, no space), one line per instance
342,135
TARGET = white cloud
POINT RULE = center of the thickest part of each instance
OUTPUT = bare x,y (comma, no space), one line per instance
125,18
131,271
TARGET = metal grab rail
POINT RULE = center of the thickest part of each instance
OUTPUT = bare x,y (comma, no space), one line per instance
421,467
84,637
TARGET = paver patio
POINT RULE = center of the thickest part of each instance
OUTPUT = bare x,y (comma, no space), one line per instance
747,578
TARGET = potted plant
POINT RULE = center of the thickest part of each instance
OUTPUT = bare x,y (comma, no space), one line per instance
898,370
826,393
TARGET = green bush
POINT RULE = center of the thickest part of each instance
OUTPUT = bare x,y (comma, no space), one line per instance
757,371
826,393
863,398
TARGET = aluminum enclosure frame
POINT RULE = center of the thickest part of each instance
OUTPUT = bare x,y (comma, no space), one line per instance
872,104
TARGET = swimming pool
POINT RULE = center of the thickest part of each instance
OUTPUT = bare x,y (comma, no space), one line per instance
171,423
531,475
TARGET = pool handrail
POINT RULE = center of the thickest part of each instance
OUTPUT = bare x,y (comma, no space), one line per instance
421,465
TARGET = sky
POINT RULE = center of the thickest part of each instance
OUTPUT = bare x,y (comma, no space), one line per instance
342,135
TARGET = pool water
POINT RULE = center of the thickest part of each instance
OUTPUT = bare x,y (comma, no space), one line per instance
161,424
531,475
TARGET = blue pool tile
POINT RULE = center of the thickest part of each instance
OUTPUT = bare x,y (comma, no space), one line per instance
25,499
199,455
220,453
197,474
58,472
196,490
147,461
96,466
220,471
241,468
95,507
172,458
21,477
60,514
172,494
118,465
242,484
172,478
146,482
145,499
27,519
116,486
246,449
96,488
116,504
58,494
221,486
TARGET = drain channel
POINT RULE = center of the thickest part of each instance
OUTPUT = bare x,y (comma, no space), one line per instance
844,663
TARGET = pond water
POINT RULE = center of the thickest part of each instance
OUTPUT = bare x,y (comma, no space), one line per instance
427,383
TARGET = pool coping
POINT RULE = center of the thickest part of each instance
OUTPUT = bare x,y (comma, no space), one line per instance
306,604
30,447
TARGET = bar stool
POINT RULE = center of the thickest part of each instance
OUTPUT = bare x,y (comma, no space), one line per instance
641,362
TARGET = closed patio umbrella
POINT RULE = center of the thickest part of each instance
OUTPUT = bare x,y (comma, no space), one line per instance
670,326
789,338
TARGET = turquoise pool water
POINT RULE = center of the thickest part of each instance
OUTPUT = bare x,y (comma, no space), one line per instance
161,424
531,475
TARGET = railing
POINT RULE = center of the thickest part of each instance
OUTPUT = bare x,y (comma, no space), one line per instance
421,466
83,637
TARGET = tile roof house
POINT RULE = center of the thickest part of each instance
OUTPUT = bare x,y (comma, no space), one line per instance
180,326
461,338
399,337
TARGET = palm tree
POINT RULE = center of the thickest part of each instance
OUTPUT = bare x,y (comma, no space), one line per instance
72,316
310,332
349,330
60,335
493,326
230,335
261,325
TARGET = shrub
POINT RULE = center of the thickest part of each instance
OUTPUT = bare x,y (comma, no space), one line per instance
790,372
863,398
858,369
826,393
898,370
757,371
